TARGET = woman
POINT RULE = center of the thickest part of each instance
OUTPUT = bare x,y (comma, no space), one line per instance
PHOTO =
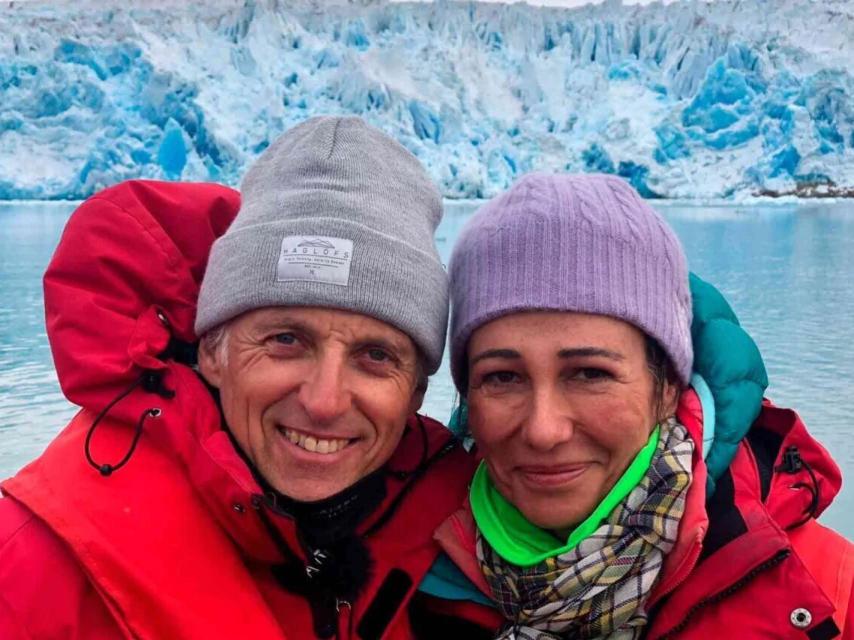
597,515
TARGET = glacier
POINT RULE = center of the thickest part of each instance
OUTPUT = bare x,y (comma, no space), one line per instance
729,99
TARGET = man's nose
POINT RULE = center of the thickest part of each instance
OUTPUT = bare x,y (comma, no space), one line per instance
324,395
548,422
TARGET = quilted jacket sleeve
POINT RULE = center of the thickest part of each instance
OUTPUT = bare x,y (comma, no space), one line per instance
729,361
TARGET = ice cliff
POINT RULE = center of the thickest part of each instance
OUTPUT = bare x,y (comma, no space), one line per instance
685,100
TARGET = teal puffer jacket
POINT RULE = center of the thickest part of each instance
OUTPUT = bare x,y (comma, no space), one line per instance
729,362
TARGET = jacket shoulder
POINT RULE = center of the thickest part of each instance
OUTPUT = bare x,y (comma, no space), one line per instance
433,442
43,590
13,518
24,537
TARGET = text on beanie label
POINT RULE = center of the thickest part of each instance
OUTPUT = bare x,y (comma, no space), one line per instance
315,259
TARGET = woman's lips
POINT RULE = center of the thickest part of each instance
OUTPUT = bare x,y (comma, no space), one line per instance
550,477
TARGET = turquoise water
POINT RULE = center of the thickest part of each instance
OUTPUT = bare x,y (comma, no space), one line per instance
787,270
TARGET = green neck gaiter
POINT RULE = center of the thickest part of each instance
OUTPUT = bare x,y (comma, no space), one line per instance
524,544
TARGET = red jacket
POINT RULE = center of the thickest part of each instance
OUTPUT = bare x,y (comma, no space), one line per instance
751,561
173,544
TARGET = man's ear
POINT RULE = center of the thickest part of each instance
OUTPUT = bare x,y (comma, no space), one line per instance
209,362
417,398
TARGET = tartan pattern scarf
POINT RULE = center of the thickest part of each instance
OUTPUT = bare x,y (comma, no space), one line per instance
598,588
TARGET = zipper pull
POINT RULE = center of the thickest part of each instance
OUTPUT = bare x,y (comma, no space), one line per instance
345,615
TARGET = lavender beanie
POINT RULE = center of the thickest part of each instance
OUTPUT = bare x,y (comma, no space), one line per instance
585,243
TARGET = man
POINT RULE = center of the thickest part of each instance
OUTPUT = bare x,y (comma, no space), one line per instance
285,489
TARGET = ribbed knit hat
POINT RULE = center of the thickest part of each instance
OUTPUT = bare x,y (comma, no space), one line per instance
334,214
585,243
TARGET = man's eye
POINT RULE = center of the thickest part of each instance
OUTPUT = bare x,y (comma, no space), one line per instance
378,355
285,338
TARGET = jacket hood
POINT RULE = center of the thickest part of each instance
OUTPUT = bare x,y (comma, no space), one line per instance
729,362
797,476
123,283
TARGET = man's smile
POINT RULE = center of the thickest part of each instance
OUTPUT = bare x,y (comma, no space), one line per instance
314,444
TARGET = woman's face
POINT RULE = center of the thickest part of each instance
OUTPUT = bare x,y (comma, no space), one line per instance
559,404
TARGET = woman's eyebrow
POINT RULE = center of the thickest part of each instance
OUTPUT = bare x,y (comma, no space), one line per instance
582,352
505,354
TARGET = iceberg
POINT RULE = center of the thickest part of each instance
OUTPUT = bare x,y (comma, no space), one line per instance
685,100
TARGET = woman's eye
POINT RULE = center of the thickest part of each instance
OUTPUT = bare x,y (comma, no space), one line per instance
500,378
592,374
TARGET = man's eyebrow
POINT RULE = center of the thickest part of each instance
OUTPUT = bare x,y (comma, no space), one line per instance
284,322
505,354
281,322
582,352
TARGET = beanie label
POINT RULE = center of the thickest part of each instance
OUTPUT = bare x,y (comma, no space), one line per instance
315,259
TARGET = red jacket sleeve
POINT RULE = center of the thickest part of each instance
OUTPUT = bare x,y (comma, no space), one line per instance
10,627
848,630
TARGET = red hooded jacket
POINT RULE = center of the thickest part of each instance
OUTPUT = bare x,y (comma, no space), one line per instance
177,542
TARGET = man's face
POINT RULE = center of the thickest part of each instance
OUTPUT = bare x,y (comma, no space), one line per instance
317,398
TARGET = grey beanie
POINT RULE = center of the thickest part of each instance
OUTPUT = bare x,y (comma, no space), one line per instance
334,214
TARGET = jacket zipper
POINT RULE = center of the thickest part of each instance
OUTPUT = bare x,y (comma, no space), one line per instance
345,616
685,574
770,563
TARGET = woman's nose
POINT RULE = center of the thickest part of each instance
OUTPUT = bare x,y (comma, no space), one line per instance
548,423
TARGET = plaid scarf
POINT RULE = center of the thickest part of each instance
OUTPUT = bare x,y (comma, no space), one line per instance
598,588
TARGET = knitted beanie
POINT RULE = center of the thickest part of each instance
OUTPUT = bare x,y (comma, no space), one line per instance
334,214
584,243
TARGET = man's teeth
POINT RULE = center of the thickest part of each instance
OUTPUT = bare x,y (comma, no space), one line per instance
315,445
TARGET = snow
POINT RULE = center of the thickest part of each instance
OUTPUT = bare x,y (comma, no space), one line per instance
689,100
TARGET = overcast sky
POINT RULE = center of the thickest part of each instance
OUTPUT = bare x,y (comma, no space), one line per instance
569,3
560,3
547,3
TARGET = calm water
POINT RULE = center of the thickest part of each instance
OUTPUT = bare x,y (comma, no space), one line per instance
787,270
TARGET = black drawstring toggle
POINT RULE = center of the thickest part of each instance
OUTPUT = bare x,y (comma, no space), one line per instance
792,463
152,382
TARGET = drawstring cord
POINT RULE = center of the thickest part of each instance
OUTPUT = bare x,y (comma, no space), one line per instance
152,382
792,463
